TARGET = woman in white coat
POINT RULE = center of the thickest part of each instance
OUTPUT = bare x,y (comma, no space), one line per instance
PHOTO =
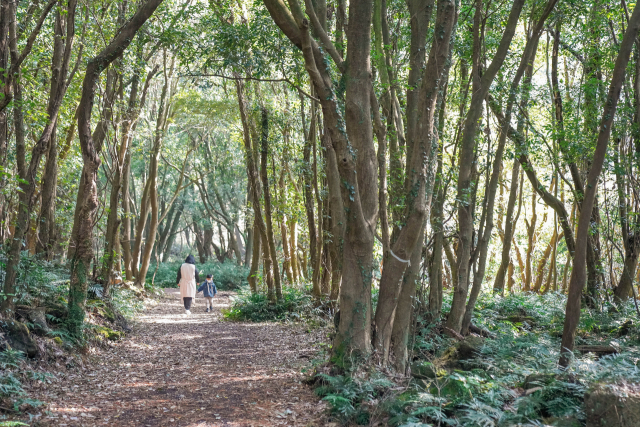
187,278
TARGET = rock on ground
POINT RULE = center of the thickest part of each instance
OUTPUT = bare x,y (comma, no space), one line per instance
613,405
19,338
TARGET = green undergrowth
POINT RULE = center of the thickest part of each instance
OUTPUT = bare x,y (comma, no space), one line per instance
226,276
14,371
43,287
514,379
296,304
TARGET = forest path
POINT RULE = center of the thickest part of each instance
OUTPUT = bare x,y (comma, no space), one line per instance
195,371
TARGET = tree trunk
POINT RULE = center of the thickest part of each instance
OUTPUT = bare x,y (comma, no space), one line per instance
152,181
505,260
526,62
83,252
99,134
421,170
357,173
199,241
466,189
173,231
254,182
264,152
578,277
543,262
405,309
125,240
307,174
293,245
437,225
28,184
255,260
120,180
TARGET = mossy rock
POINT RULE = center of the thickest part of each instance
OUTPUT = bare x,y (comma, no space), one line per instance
20,338
519,318
613,405
109,333
58,340
427,370
106,313
109,314
624,329
58,310
465,350
451,389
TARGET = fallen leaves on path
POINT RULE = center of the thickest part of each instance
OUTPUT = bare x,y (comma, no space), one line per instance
195,371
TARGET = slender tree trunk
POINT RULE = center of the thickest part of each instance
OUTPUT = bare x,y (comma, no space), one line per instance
125,240
254,182
578,277
120,180
293,242
255,260
6,17
28,184
543,262
466,188
173,231
307,174
505,260
437,225
405,309
199,241
421,170
152,179
83,252
526,62
264,152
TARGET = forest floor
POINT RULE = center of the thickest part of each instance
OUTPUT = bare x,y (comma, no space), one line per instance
196,371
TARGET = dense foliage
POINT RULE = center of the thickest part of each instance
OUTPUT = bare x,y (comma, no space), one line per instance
424,171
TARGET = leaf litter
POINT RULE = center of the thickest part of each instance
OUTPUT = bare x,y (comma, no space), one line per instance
192,371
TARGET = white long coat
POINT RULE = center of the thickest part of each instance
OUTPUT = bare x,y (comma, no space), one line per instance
187,280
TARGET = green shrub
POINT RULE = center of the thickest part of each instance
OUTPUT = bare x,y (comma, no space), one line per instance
37,279
351,398
295,304
489,394
13,371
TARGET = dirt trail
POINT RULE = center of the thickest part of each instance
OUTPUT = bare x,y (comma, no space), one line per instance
178,370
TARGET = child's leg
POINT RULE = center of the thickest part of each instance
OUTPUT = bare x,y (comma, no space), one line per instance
210,302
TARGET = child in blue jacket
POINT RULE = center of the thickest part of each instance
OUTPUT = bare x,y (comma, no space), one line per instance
208,289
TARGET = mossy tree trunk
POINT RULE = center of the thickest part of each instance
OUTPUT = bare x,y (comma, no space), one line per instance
83,252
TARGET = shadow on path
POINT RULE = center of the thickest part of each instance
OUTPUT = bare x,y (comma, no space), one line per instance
195,371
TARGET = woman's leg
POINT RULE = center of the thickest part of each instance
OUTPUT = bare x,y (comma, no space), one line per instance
187,303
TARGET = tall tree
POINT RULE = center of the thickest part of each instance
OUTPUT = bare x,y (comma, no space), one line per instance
578,274
83,252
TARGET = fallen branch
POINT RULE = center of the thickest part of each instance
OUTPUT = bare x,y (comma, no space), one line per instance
453,334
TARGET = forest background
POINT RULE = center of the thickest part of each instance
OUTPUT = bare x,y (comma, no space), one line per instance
426,169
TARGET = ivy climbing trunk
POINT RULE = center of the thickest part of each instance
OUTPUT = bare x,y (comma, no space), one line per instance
83,251
578,276
422,159
466,187
28,175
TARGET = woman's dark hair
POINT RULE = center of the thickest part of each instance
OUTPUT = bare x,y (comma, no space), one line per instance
190,259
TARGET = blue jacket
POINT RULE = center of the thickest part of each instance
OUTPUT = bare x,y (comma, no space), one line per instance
208,289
